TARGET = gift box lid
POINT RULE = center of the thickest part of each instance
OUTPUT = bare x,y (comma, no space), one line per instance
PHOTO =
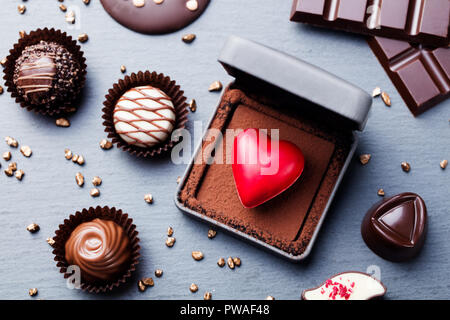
247,59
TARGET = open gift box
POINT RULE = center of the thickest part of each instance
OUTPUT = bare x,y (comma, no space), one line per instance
311,108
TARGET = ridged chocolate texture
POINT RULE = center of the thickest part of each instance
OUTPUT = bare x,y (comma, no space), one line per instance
421,75
418,21
395,228
100,248
46,73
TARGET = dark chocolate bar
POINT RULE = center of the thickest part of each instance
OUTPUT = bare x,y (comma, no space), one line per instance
421,75
417,21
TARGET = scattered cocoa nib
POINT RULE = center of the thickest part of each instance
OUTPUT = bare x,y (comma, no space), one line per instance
193,287
365,158
83,37
86,2
212,233
215,86
3,62
380,192
141,286
96,181
197,255
376,92
270,298
230,262
79,179
6,156
406,166
22,34
26,151
148,282
188,38
237,261
207,296
68,154
12,166
193,105
21,8
33,227
9,172
1,90
148,198
63,8
123,69
158,273
19,174
33,292
50,241
105,144
70,17
386,99
170,231
178,180
221,262
11,142
170,242
94,192
80,160
443,164
62,122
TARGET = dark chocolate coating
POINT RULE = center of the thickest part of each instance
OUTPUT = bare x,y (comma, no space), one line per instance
395,228
152,18
418,21
421,75
46,74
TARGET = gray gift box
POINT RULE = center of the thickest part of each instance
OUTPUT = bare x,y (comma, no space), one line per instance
318,92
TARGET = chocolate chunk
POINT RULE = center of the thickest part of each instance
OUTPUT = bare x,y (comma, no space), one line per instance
421,75
395,228
416,21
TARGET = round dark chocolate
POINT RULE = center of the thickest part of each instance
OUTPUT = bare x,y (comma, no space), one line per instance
152,18
100,248
395,228
46,74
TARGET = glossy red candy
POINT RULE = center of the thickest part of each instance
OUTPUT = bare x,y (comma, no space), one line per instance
263,168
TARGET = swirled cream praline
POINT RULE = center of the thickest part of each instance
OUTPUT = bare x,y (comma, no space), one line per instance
100,248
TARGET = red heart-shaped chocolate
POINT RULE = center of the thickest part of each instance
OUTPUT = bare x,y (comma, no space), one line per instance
263,168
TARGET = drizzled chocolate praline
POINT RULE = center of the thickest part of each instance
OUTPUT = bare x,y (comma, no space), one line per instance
46,74
100,248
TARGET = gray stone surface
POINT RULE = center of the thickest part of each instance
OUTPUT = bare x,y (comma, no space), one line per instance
48,193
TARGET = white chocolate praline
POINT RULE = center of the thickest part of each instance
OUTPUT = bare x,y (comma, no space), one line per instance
144,116
347,286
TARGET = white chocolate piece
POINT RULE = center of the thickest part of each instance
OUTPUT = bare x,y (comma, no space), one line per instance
144,116
347,286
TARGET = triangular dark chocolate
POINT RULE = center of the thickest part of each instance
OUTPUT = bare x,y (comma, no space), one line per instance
395,228
401,220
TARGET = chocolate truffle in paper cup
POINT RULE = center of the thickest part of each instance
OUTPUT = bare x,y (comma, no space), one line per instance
45,72
142,111
102,243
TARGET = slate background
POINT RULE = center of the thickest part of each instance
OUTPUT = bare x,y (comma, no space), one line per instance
48,193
